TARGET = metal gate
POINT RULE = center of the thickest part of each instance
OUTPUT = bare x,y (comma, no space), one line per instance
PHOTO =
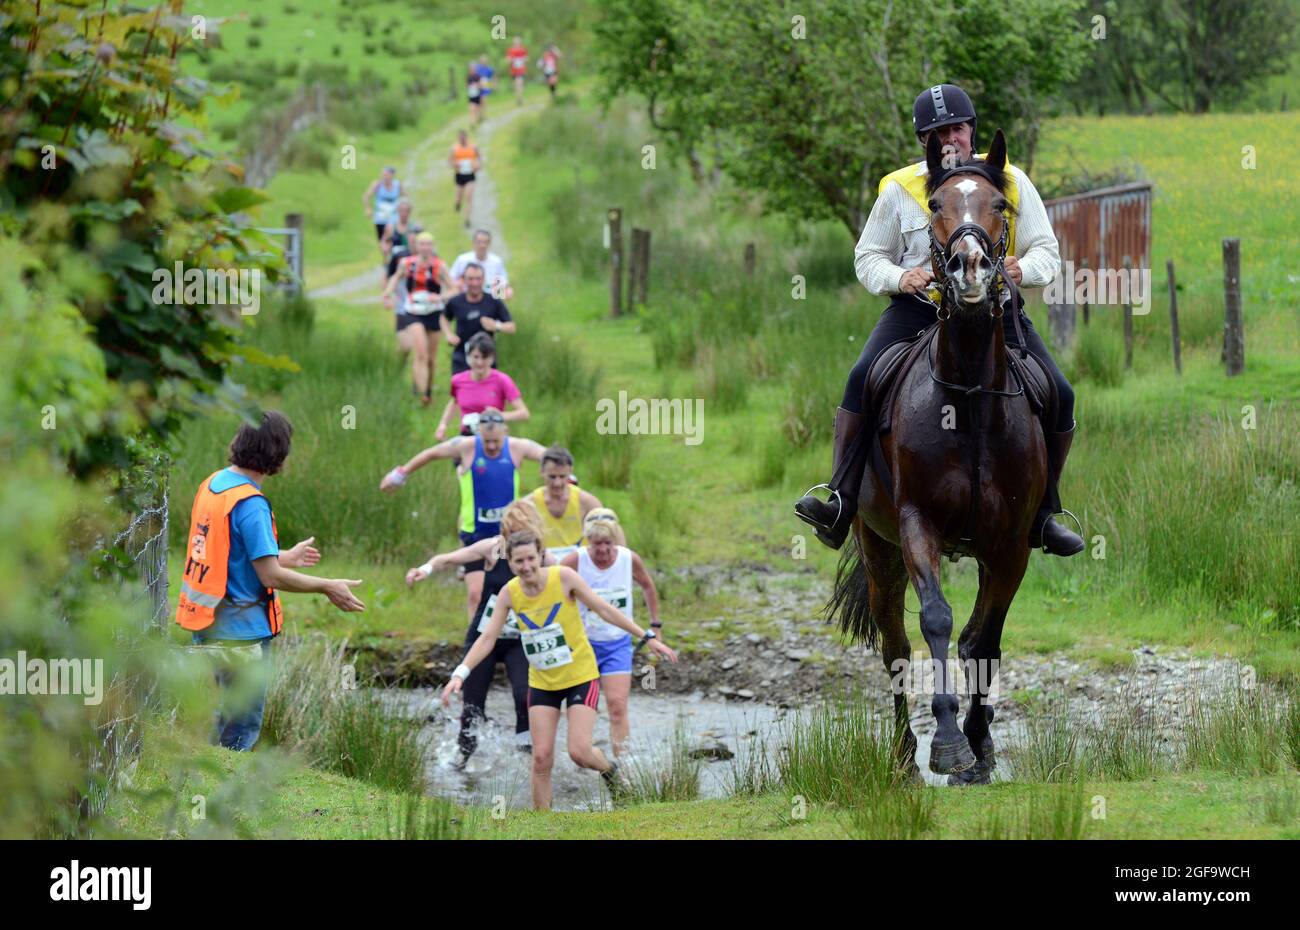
1102,228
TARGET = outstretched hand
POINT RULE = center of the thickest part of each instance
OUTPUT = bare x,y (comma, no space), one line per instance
303,555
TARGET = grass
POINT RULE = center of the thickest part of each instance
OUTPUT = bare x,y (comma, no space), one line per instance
315,707
1194,513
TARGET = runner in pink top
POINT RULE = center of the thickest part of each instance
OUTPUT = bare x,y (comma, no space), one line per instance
481,387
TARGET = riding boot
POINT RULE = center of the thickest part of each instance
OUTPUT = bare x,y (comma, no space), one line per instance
1046,533
831,518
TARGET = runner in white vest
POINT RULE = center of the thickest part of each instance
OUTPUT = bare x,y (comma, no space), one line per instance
611,569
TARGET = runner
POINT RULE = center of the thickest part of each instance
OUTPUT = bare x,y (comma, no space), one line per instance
495,279
562,505
520,516
485,75
489,480
517,55
474,87
386,192
398,235
422,277
474,311
562,665
464,160
610,568
481,388
550,65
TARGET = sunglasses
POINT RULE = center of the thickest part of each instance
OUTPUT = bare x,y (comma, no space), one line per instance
602,517
491,418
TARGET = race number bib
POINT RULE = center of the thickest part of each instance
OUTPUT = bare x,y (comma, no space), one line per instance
545,647
422,303
490,514
470,422
511,628
465,166
561,551
620,599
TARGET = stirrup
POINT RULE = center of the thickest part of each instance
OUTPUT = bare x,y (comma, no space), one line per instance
839,507
1071,515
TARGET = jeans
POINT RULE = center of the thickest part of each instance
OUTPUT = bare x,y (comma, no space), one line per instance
907,315
243,683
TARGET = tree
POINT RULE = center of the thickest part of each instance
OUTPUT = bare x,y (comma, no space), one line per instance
1013,57
809,103
104,180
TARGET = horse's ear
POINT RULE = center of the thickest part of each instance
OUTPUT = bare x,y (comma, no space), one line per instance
997,156
934,156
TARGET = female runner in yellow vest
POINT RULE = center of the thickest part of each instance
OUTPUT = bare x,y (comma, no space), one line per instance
561,664
563,506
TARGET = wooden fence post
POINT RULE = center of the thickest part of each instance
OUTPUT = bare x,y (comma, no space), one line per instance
638,266
1234,336
1128,319
750,258
633,259
615,217
451,83
644,265
1173,317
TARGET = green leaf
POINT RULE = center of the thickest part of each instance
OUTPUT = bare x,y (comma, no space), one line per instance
235,199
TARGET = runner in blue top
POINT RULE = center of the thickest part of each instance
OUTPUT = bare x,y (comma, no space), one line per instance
386,192
489,474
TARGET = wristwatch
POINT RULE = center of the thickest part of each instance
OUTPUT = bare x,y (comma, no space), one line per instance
649,635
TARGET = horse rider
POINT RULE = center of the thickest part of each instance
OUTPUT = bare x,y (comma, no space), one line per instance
893,258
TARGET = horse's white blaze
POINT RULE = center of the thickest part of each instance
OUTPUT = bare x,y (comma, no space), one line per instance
967,186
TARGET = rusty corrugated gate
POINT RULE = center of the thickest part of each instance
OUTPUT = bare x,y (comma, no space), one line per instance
1099,229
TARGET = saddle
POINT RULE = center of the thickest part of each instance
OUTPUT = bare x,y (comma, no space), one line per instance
889,371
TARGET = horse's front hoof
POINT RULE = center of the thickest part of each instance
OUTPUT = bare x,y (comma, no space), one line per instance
948,758
978,774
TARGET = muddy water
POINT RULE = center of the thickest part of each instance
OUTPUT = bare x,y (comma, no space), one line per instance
499,769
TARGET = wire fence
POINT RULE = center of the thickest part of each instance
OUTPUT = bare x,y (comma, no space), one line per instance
119,738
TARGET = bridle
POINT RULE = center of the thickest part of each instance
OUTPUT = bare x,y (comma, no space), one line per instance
1005,293
942,256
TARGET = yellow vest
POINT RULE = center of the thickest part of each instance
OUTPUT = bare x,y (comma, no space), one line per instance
566,529
548,609
912,179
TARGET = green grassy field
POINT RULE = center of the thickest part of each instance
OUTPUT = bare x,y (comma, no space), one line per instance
1197,514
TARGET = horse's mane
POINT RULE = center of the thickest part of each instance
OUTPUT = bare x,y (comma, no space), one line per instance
991,173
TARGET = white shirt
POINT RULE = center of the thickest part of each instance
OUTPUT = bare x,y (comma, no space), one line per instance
897,238
494,270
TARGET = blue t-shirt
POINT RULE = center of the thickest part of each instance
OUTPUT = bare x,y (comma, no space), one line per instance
251,537
485,73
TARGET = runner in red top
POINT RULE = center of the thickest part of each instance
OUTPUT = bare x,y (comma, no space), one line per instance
550,65
517,55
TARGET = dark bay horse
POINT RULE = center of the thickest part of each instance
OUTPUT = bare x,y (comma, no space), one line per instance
969,465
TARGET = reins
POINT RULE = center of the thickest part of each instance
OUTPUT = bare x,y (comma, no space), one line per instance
941,256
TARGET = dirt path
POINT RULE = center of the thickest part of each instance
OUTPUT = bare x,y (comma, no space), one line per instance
422,173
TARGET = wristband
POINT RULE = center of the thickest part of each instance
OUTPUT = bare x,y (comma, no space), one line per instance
397,476
655,623
462,672
427,568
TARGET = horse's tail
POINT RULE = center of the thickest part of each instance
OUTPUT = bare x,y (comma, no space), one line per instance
849,603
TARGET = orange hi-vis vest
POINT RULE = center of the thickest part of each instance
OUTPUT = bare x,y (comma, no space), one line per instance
207,554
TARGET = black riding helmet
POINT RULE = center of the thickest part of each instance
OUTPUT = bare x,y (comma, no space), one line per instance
943,105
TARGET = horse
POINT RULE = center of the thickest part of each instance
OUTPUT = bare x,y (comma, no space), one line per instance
968,463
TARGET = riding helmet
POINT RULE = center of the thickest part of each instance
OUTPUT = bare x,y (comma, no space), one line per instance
943,105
